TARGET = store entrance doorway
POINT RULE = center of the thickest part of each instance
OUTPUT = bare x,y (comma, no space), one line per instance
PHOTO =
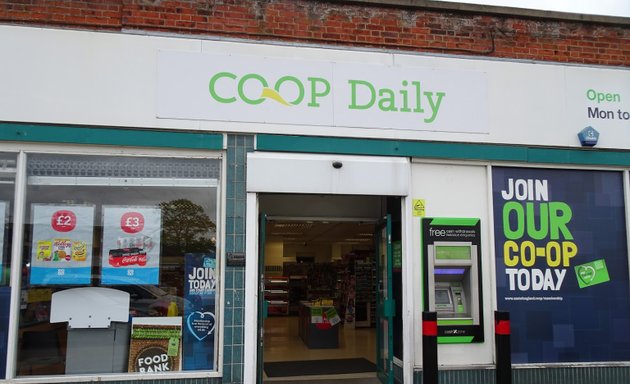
324,286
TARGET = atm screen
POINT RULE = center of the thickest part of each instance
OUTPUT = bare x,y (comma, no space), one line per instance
442,297
453,252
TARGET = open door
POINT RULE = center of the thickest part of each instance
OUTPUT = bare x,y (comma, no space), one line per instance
262,304
385,303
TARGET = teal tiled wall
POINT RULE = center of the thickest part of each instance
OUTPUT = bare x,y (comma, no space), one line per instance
234,326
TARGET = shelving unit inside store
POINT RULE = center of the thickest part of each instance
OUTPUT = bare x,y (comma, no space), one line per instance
277,295
365,271
298,287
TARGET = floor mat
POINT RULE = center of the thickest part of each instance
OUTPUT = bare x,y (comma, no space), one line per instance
318,367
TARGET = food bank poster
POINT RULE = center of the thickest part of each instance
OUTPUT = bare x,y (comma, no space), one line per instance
61,250
200,318
131,245
155,344
561,262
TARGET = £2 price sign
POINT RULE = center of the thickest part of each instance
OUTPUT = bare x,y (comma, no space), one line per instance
63,220
132,222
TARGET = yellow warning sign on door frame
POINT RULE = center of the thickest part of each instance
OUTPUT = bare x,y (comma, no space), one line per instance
418,207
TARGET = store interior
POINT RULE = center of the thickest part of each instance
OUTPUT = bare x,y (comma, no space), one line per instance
320,286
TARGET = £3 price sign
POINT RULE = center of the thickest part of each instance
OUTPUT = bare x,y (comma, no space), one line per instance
132,222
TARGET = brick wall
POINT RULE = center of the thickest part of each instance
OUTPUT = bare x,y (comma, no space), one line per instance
325,22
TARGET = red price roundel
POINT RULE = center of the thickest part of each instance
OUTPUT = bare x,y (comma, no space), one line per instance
63,221
132,222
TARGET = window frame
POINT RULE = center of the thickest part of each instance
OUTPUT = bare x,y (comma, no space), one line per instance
17,254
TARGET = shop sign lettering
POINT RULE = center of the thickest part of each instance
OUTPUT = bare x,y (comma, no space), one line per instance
254,89
606,105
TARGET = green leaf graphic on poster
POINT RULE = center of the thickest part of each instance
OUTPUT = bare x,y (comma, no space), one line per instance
592,273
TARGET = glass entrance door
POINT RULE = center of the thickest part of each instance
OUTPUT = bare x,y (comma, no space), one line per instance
262,304
385,303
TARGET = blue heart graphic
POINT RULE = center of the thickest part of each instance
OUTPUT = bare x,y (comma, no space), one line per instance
201,324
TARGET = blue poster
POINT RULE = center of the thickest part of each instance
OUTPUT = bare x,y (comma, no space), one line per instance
61,248
200,316
562,264
130,252
5,301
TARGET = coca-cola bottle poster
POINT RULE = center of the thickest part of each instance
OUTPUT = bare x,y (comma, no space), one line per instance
61,250
131,245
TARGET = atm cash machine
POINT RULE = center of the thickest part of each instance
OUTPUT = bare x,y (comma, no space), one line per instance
452,278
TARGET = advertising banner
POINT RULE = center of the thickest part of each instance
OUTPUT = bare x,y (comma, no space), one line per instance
61,250
200,314
131,245
562,264
155,344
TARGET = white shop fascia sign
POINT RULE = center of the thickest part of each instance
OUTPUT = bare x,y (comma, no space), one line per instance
253,89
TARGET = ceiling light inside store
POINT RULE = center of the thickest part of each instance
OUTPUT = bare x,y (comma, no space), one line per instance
284,233
293,225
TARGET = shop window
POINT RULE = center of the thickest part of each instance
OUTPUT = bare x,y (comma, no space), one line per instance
120,272
7,189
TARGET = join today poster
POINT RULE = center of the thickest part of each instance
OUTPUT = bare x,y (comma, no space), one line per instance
562,263
131,245
61,250
200,287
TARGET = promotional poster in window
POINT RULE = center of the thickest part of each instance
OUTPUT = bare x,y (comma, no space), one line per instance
155,344
200,316
61,251
562,263
131,245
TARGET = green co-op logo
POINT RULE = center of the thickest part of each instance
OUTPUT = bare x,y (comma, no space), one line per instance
316,87
410,97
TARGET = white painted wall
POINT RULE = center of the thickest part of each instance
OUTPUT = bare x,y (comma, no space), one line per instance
454,191
314,173
100,78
